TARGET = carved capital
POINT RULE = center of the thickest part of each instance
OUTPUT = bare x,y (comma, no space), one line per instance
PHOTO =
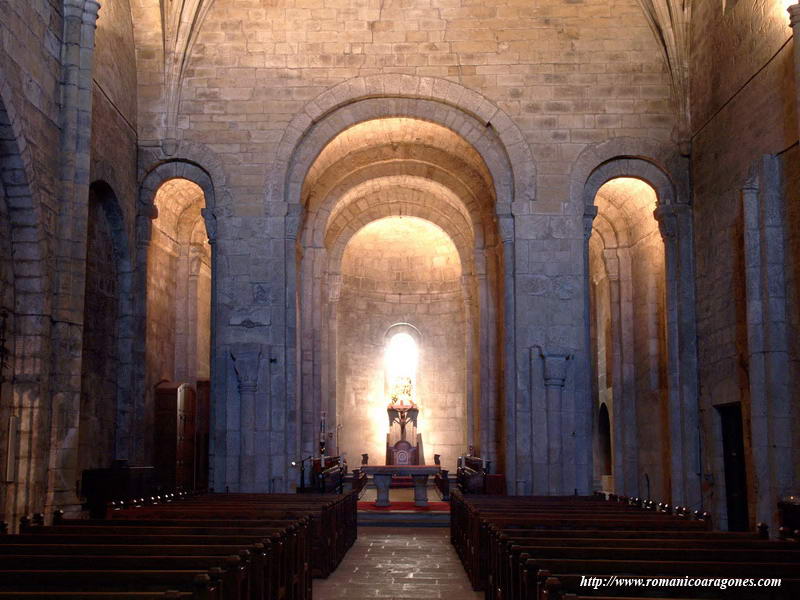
247,362
555,369
334,287
90,11
667,218
589,213
211,224
794,15
611,260
73,9
506,227
751,184
292,223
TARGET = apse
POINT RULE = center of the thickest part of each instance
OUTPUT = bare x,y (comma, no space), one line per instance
401,315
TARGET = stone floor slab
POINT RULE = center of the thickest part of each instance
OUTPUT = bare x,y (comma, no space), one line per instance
400,563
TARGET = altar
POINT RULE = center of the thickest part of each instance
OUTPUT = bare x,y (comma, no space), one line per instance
382,476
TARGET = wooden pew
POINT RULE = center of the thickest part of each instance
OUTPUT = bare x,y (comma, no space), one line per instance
283,570
333,517
537,548
200,584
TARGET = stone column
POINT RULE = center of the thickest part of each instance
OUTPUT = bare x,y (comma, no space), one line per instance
555,376
247,363
675,224
618,388
210,220
767,337
292,411
584,411
794,21
77,57
509,361
328,357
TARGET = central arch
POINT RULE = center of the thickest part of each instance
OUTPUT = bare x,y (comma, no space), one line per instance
347,162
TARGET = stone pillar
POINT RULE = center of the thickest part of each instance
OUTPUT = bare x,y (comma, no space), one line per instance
509,361
77,56
247,363
675,224
291,410
767,338
210,220
794,21
623,408
328,357
555,376
584,411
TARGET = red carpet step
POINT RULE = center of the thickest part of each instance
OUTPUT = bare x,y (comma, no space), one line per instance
405,507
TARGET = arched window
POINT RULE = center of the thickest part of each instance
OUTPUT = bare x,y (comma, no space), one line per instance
401,358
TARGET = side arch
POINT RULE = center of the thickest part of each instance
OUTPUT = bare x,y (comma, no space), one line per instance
107,197
161,172
662,167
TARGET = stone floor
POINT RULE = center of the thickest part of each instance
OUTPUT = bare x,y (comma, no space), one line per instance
398,563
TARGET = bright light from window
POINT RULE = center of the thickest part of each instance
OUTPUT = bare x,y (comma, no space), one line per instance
782,6
401,357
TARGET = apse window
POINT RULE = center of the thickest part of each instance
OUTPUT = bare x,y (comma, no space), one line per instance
402,354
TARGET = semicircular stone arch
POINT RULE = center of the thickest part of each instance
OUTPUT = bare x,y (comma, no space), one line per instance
634,168
401,171
496,137
640,158
379,208
413,190
398,158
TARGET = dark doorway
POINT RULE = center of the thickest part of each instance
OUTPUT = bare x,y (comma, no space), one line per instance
604,434
735,474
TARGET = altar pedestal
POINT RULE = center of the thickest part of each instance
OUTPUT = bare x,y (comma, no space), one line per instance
382,475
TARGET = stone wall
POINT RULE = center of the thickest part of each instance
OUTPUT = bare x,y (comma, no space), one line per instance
568,74
790,162
100,343
30,70
6,335
743,105
386,281
500,112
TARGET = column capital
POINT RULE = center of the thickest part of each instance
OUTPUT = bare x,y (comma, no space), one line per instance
334,287
292,221
246,362
555,368
751,184
589,213
611,261
91,9
211,224
794,14
667,217
506,226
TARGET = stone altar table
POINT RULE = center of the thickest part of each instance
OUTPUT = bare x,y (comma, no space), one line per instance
382,474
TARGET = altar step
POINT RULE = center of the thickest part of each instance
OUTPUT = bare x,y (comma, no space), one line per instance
403,519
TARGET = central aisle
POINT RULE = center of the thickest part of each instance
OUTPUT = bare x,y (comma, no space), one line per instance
388,562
